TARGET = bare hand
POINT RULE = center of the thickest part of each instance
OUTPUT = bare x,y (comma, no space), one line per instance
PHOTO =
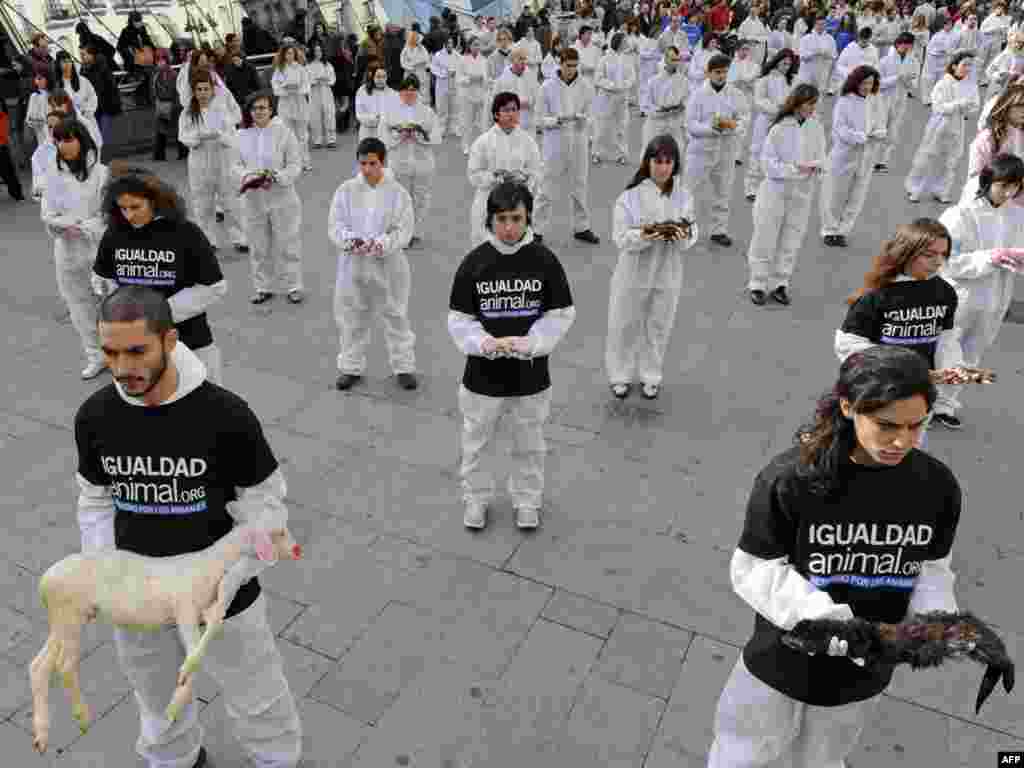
489,345
521,344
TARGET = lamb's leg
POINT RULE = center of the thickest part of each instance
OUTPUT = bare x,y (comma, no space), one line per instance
188,629
69,661
40,671
213,615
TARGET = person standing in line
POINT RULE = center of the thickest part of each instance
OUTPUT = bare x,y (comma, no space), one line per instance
669,92
273,211
1003,133
323,119
589,56
516,79
988,234
472,91
742,73
817,52
201,59
161,409
371,222
206,128
166,107
442,67
857,54
897,73
649,59
937,58
754,29
714,118
614,80
564,115
72,213
498,61
848,175
534,54
552,61
144,216
993,38
80,89
36,119
8,173
697,71
793,160
373,99
96,69
416,61
933,170
648,276
854,466
290,82
770,92
510,305
505,148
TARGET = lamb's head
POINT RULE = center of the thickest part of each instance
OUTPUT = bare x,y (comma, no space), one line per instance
273,545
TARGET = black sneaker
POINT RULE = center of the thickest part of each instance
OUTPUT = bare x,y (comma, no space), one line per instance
758,297
751,198
220,216
587,236
407,380
781,295
345,381
830,240
200,759
739,163
723,240
881,168
538,238
261,297
840,240
948,420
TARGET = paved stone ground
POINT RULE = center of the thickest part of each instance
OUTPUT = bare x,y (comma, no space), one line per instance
604,638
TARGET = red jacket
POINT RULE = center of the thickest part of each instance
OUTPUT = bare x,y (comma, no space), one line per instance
719,17
5,129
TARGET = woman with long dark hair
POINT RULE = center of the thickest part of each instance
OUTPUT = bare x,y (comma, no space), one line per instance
144,215
770,92
851,522
1003,133
81,92
794,158
290,82
373,99
73,216
648,276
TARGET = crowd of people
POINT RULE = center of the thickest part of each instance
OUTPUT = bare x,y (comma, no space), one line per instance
715,93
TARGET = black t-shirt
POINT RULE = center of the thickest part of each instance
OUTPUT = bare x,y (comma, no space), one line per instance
173,468
166,256
508,293
863,545
909,313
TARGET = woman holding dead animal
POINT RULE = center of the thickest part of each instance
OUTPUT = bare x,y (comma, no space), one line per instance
852,521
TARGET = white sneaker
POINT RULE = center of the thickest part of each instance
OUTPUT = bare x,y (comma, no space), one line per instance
475,515
93,369
527,517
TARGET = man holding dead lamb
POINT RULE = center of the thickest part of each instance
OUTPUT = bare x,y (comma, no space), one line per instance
168,464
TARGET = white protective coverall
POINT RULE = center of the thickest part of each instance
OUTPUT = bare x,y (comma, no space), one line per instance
525,87
86,103
983,290
322,120
940,48
777,40
183,84
549,67
273,217
70,202
650,56
666,113
373,285
291,87
210,139
590,57
1003,66
755,29
934,168
476,115
993,38
534,57
783,207
645,285
494,151
370,108
613,81
884,35
849,171
770,94
817,52
416,61
896,80
564,111
696,71
679,39
982,151
711,153
35,116
411,160
853,56
742,74
442,68
497,63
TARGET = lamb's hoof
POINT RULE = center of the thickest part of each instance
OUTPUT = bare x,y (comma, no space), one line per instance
172,712
39,743
83,719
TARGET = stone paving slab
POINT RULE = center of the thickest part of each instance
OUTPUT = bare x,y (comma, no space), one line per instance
644,655
581,613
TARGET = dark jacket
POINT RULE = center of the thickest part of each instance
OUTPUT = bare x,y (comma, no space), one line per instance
108,97
164,90
256,40
132,39
241,81
87,37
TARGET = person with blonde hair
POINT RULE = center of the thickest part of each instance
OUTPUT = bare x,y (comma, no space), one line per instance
290,83
993,38
443,68
517,79
1003,133
771,90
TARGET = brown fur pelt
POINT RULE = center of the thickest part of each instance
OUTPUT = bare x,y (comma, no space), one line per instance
668,230
927,640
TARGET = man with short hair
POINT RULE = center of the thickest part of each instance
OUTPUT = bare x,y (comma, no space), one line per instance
898,71
169,463
669,92
817,52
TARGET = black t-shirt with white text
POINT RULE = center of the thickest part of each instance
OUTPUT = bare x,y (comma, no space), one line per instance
508,293
166,256
907,313
172,469
863,545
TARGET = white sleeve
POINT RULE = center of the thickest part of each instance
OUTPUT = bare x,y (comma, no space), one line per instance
194,300
933,588
549,329
95,516
467,332
847,344
775,590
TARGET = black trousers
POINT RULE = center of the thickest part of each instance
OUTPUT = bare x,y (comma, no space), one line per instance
9,173
160,147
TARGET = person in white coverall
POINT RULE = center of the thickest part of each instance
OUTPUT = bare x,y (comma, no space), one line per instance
517,79
273,215
72,213
742,73
770,92
993,37
371,222
857,54
82,94
565,105
988,249
933,171
373,99
697,70
1009,63
754,29
505,147
897,72
590,56
714,118
817,52
1003,133
291,87
472,93
323,120
410,133
210,134
648,276
416,61
793,159
534,53
649,56
937,56
614,80
668,94
442,67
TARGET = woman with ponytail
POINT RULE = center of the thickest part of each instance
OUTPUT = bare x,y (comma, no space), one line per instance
850,522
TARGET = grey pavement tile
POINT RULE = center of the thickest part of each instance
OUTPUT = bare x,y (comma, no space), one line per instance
44,465
329,737
331,626
304,461
281,611
616,724
270,395
15,688
37,544
581,613
14,425
16,629
971,745
687,728
109,742
899,734
989,584
27,640
27,331
51,396
664,757
16,747
644,655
